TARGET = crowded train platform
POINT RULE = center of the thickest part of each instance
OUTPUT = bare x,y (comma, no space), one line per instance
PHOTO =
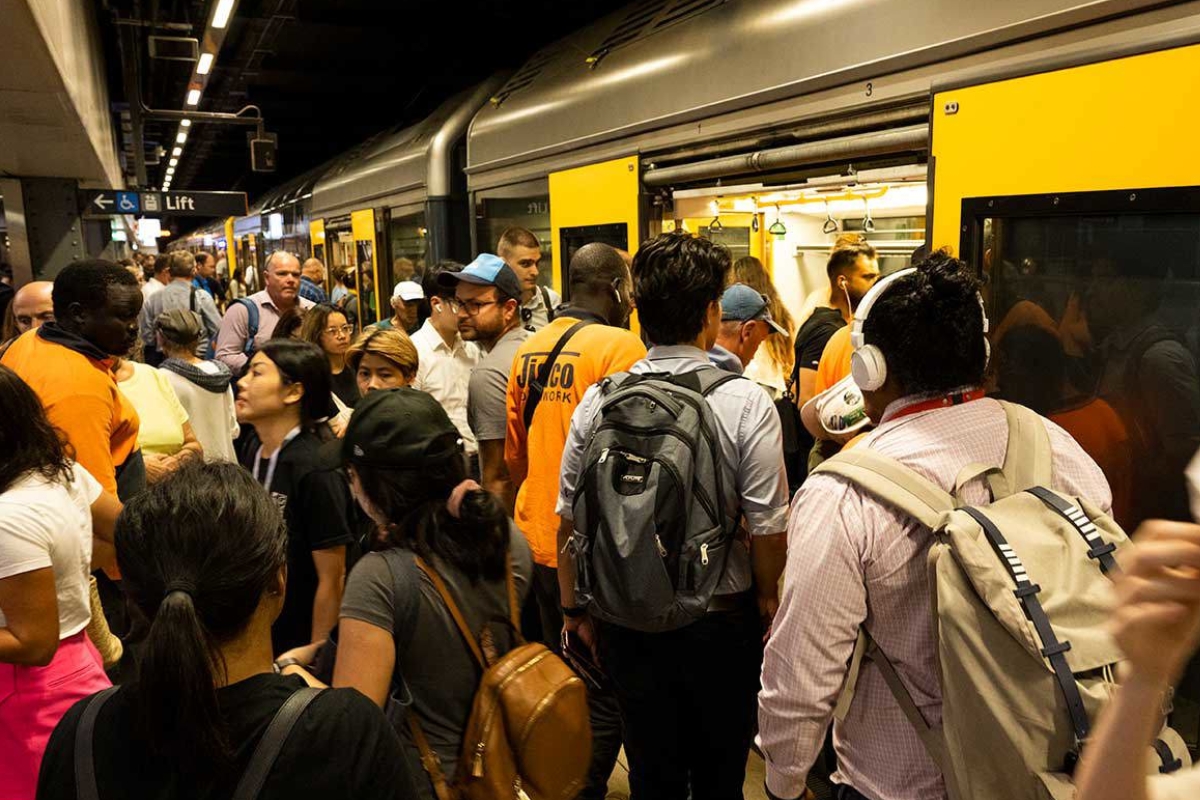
666,400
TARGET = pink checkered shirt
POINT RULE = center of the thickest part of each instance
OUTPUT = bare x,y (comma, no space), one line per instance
853,560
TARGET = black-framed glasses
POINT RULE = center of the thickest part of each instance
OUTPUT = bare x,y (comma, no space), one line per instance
470,307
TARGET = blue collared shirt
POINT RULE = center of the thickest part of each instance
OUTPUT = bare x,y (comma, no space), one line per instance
310,290
751,443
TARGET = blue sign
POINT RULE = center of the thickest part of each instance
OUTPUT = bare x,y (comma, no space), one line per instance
128,203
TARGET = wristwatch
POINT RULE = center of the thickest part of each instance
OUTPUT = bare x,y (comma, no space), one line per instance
573,612
284,663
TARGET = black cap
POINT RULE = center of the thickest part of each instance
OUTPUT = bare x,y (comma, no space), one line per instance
399,429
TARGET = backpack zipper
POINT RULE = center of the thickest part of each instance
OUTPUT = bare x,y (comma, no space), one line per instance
480,745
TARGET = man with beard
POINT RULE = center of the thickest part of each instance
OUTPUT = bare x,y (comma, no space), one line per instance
487,300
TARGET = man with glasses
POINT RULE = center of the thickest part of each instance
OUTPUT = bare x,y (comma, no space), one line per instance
745,324
487,300
446,360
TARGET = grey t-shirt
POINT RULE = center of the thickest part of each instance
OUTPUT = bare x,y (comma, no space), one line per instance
431,654
487,398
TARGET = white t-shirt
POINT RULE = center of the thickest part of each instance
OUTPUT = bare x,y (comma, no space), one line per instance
46,524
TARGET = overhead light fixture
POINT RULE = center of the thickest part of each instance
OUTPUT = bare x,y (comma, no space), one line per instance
193,97
174,162
177,152
185,123
182,137
204,64
170,170
221,16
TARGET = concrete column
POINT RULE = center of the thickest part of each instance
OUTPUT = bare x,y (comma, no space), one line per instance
44,227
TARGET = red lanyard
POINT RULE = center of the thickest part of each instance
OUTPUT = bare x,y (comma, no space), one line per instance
952,399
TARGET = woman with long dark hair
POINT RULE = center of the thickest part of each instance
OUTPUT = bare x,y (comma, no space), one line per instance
284,395
328,328
204,556
404,458
50,509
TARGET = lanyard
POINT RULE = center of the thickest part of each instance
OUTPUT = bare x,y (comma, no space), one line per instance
273,461
945,401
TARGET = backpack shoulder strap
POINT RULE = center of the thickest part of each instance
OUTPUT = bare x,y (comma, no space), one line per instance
550,314
704,381
85,736
537,387
931,737
251,323
891,482
269,747
1028,459
192,299
405,594
455,612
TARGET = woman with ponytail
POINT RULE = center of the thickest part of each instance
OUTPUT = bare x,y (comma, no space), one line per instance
203,555
407,471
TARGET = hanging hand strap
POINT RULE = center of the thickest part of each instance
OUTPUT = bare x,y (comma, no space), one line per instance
271,743
537,386
85,762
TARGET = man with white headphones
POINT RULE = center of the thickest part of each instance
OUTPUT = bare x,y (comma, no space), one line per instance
921,352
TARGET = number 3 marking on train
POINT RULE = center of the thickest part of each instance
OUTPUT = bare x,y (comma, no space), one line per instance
870,89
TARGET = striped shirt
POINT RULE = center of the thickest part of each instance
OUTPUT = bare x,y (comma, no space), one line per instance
852,560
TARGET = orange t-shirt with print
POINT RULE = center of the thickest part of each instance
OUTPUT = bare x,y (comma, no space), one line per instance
593,353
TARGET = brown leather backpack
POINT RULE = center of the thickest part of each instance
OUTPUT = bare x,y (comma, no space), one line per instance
528,736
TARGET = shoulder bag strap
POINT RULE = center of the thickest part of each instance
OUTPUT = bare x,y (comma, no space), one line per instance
192,299
85,762
1028,460
550,315
459,620
537,386
269,747
892,483
514,607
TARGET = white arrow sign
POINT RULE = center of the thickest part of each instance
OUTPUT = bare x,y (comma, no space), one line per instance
103,202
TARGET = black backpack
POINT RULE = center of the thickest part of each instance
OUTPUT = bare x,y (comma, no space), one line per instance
651,534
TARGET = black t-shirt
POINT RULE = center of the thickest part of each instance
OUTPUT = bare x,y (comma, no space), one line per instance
342,747
814,334
315,499
346,387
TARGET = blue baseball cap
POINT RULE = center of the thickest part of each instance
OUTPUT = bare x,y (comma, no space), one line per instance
486,270
740,302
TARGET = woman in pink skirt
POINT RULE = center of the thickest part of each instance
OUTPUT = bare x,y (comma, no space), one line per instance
48,505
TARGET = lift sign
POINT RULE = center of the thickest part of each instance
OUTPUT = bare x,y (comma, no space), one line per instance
107,202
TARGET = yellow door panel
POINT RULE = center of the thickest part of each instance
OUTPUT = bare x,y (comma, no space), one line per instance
1125,123
362,225
598,194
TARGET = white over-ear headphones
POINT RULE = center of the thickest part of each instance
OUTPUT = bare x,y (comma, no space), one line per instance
867,363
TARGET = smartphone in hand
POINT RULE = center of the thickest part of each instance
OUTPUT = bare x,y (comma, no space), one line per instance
580,657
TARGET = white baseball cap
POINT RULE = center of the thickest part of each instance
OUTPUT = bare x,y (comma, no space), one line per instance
836,412
408,290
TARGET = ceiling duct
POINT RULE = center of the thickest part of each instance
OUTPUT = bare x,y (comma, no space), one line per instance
844,148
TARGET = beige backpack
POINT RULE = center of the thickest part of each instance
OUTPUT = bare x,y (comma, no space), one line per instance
1020,600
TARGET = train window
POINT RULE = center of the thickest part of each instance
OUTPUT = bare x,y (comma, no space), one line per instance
735,238
408,240
532,212
1094,301
571,239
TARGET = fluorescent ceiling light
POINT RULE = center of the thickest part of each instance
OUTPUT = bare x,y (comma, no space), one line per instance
182,137
177,152
170,170
221,17
205,63
174,162
193,97
185,123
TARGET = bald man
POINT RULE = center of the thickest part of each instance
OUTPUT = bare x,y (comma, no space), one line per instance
239,337
32,305
312,281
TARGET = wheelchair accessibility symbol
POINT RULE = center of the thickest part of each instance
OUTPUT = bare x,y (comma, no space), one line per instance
128,202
